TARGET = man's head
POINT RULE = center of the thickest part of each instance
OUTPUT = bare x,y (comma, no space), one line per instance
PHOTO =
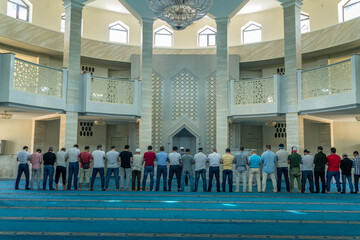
214,150
63,149
99,147
306,152
137,151
51,149
76,146
187,151
333,150
182,149
126,147
38,150
320,148
281,146
87,148
228,150
242,148
294,149
201,149
25,148
175,148
268,147
356,153
113,148
162,149
253,151
344,155
149,148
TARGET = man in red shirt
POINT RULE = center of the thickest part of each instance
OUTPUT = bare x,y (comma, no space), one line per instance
333,162
85,160
149,157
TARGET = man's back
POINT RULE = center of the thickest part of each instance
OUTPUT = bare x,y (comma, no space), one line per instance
268,159
346,166
35,160
162,158
241,160
228,161
98,156
214,159
138,161
307,163
320,162
73,154
60,158
333,161
187,162
282,158
200,161
174,158
149,157
112,159
295,160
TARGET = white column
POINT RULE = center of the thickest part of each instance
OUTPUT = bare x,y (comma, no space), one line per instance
71,61
222,78
146,70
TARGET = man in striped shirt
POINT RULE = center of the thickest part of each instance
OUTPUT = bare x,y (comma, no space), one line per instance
356,165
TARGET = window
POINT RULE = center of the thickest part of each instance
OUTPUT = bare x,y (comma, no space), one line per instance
163,37
207,37
350,10
305,23
118,32
62,24
251,32
19,9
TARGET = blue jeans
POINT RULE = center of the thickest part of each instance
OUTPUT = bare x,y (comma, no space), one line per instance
227,173
93,177
109,171
23,168
161,170
148,169
344,183
184,174
201,172
214,171
48,171
285,171
73,170
329,176
307,175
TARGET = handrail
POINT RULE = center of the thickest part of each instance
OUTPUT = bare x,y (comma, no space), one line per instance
325,66
120,79
52,68
253,79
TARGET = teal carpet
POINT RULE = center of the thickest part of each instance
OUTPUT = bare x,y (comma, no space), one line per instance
74,215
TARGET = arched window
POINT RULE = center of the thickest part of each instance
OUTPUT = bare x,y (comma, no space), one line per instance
163,37
19,9
351,9
305,23
207,37
62,23
118,32
251,32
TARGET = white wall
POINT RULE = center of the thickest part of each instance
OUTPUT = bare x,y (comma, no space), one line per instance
346,137
16,133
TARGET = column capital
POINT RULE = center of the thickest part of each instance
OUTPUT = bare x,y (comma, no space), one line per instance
290,3
147,20
222,20
79,4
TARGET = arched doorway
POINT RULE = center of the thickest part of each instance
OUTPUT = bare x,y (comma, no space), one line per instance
184,138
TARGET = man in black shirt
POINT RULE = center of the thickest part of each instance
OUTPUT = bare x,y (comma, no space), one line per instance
126,158
49,161
319,170
346,166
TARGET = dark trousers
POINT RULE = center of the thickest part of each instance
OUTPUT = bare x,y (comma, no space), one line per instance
344,183
356,182
60,171
136,176
161,170
73,171
320,175
307,175
201,172
330,175
48,172
175,169
229,174
109,172
280,172
23,168
93,177
214,171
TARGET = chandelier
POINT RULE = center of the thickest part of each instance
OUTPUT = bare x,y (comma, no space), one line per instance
180,13
6,115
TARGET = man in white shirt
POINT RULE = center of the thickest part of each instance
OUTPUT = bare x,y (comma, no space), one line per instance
112,158
60,168
200,169
98,156
214,162
73,157
23,159
175,167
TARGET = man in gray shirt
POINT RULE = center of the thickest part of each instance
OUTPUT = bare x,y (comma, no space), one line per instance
60,168
282,167
175,167
307,162
200,169
112,158
241,160
214,162
23,158
187,161
73,157
98,156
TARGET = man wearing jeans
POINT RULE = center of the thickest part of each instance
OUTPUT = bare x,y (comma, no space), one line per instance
254,164
98,156
112,158
333,162
214,162
49,161
126,157
138,161
60,168
162,159
23,158
282,167
346,167
200,169
149,158
241,160
227,161
268,160
187,160
36,160
356,164
73,157
307,171
175,167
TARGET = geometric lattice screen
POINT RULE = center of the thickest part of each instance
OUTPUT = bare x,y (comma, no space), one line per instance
211,112
157,105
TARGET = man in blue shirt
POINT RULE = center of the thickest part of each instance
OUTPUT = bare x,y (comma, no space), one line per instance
23,159
162,159
254,164
268,160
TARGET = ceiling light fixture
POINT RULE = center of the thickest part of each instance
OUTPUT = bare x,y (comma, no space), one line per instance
179,14
270,123
6,115
357,117
99,122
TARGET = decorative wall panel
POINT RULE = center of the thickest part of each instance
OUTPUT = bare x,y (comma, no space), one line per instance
211,112
157,108
37,79
184,96
257,91
109,90
327,80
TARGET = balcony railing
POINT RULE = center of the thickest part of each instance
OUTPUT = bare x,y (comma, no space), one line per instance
37,79
327,80
254,91
109,90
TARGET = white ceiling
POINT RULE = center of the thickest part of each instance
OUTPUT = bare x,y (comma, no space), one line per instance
109,5
259,5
